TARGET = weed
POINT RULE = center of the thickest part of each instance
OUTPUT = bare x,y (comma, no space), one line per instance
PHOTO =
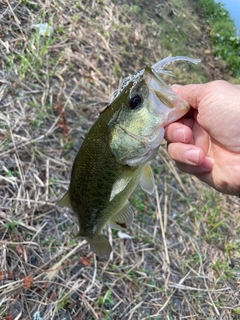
31,60
78,5
107,301
136,9
137,201
236,311
13,173
63,301
233,247
13,225
223,33
224,270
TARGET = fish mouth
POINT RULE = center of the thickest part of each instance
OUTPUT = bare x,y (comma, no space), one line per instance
163,101
137,161
181,108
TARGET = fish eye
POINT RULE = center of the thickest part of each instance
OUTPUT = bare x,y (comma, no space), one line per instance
135,102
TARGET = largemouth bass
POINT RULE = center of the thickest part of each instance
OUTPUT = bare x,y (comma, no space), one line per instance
114,156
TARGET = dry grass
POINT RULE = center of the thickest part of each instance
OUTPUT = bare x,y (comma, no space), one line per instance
183,260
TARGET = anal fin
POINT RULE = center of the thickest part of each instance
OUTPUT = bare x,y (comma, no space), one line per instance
122,219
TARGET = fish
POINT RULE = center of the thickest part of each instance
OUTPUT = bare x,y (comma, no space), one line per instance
115,154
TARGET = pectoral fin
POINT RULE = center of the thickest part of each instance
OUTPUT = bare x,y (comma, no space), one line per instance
123,219
147,182
121,183
65,201
100,245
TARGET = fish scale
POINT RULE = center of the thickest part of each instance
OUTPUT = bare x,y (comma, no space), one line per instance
114,157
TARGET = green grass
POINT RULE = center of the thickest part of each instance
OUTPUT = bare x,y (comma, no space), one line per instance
226,43
12,225
32,59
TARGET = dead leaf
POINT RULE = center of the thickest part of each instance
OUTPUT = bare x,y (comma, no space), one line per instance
85,261
53,296
9,317
28,282
19,249
63,121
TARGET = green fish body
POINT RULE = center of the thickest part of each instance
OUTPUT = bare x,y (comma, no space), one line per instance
114,156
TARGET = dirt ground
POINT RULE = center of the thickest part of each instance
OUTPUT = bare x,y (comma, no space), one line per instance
182,261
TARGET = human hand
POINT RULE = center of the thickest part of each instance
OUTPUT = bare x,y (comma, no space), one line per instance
206,142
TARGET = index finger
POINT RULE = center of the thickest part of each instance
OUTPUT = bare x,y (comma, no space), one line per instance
179,131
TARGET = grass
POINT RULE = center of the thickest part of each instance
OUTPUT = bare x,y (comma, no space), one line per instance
223,34
183,260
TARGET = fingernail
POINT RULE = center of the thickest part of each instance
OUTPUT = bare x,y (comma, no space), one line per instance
208,163
192,156
179,135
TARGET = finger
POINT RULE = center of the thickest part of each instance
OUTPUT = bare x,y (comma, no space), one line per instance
192,93
177,132
199,171
201,138
186,153
208,178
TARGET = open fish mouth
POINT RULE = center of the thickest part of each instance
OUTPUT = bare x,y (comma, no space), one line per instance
162,100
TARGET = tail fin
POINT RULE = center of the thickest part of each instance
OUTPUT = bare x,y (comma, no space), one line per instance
100,245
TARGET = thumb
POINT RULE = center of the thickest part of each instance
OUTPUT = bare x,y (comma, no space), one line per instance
192,93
